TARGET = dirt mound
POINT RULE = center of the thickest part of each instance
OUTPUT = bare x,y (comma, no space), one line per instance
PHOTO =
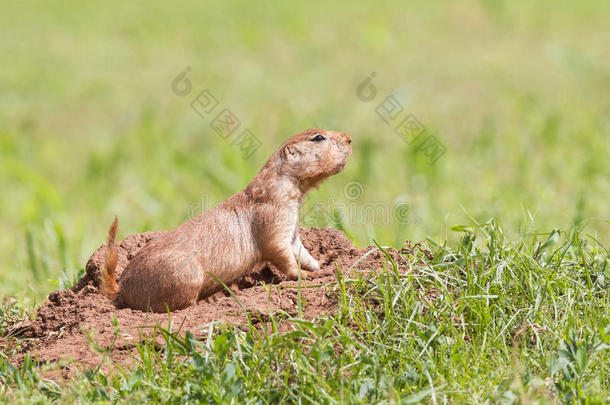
71,319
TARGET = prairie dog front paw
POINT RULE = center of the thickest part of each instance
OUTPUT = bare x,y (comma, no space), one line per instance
312,265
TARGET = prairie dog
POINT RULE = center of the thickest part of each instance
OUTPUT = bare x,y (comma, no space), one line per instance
255,225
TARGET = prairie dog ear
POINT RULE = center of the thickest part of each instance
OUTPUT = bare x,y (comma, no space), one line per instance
291,152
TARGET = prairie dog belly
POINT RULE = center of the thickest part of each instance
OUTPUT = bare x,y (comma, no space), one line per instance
228,248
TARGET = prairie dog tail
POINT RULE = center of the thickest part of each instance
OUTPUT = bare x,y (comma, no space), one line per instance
108,284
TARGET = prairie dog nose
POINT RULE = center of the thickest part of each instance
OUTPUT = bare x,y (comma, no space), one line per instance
345,137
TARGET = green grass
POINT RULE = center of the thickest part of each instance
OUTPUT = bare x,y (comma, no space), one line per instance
516,91
487,321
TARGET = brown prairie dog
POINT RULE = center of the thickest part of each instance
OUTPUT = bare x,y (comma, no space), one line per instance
258,224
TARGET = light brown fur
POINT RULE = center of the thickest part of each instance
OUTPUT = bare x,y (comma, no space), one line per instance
109,286
258,224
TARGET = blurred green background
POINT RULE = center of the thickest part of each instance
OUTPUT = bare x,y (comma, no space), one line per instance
517,92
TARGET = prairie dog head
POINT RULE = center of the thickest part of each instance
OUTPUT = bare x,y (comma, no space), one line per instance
314,155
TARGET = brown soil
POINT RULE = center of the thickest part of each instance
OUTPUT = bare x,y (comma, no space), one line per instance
71,320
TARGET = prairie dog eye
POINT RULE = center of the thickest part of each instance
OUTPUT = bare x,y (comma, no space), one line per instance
318,138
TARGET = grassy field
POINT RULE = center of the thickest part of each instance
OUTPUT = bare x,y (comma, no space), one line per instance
516,94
